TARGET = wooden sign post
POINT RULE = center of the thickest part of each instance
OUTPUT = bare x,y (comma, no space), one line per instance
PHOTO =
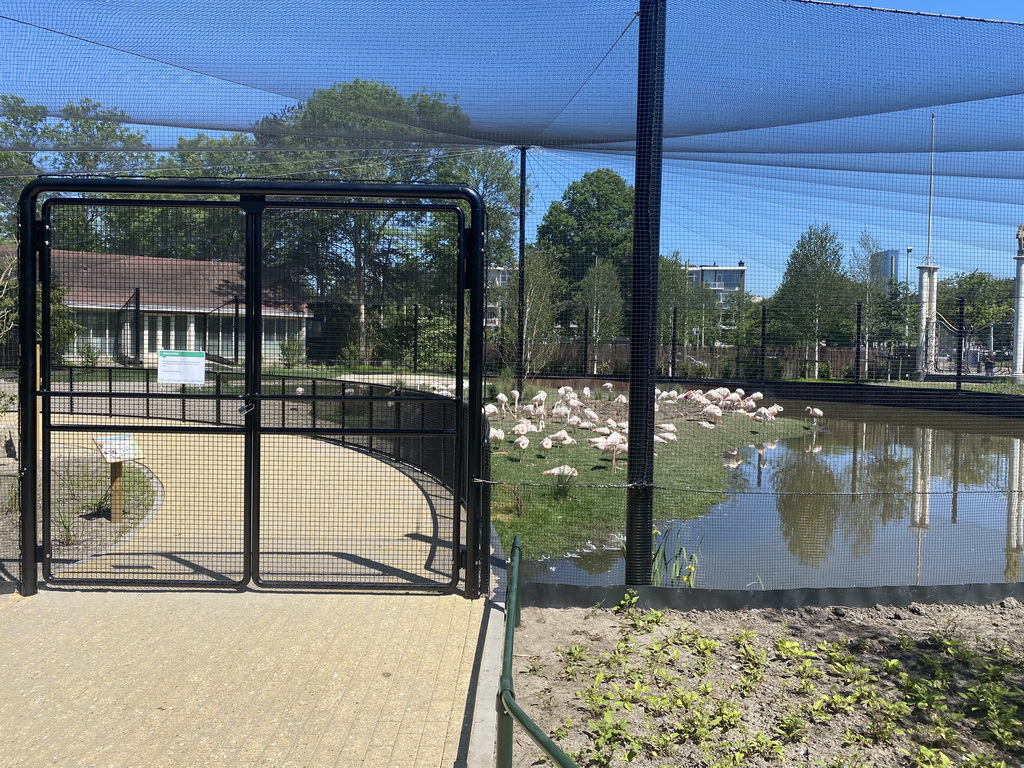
116,450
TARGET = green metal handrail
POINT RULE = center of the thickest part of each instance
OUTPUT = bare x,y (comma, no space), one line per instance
510,711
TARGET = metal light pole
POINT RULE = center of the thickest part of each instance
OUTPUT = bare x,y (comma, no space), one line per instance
906,312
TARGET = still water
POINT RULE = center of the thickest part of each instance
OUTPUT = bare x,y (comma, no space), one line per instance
871,496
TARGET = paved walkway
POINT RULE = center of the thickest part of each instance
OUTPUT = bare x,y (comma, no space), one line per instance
254,678
135,677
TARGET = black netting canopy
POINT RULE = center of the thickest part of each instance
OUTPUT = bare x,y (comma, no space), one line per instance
778,113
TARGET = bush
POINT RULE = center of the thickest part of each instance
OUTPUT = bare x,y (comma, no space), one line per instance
701,371
89,353
825,370
292,352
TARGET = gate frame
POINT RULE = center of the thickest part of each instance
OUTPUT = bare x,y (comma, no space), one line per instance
33,238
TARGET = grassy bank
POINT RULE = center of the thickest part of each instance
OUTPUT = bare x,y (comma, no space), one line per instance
554,516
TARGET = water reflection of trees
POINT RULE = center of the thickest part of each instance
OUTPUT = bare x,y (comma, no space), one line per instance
859,477
807,504
880,476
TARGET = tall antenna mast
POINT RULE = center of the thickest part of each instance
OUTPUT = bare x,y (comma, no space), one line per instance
931,190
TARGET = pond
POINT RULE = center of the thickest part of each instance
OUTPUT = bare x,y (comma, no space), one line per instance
870,496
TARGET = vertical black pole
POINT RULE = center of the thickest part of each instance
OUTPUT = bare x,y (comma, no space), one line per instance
253,208
478,521
586,342
521,316
137,326
236,329
675,342
27,393
415,338
764,339
960,343
646,248
856,355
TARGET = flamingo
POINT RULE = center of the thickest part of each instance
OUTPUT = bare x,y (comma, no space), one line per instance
712,413
815,414
491,411
515,401
503,399
562,471
522,443
546,444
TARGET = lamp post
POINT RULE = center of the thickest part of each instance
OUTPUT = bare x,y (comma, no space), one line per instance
906,281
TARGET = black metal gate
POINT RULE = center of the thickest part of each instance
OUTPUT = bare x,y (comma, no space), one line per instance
208,410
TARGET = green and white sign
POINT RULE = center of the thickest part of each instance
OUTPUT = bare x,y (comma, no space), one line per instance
177,366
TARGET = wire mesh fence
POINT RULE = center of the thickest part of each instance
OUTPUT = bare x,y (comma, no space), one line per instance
840,228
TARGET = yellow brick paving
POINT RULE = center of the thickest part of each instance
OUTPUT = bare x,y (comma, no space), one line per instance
235,678
252,678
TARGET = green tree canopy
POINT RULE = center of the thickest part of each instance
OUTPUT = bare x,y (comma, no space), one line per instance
594,219
814,300
988,305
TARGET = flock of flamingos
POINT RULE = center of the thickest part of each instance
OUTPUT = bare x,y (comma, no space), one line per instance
603,414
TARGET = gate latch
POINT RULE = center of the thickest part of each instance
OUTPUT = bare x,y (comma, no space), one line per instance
246,407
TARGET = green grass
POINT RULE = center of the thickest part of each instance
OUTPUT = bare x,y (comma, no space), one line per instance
553,519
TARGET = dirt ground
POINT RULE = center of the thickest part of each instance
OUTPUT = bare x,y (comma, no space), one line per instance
924,685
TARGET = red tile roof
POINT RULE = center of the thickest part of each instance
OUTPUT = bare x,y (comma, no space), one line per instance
108,280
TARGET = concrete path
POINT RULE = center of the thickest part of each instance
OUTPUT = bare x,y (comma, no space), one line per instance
328,514
189,677
254,678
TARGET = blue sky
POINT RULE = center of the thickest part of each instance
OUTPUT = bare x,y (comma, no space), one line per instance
717,213
804,115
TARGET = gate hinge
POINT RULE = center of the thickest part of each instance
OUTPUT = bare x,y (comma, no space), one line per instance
40,235
39,553
462,558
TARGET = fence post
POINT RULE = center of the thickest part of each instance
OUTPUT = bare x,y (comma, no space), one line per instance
586,342
675,342
856,355
646,247
415,338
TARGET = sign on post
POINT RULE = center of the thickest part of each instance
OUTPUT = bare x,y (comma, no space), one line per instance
117,449
179,366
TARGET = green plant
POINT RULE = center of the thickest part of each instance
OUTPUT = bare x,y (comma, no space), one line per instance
792,728
292,351
925,757
792,650
89,353
679,568
67,528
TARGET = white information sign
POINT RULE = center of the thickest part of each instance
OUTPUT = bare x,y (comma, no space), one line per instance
118,448
177,366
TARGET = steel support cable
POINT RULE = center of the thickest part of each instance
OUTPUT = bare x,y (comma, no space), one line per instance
587,79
